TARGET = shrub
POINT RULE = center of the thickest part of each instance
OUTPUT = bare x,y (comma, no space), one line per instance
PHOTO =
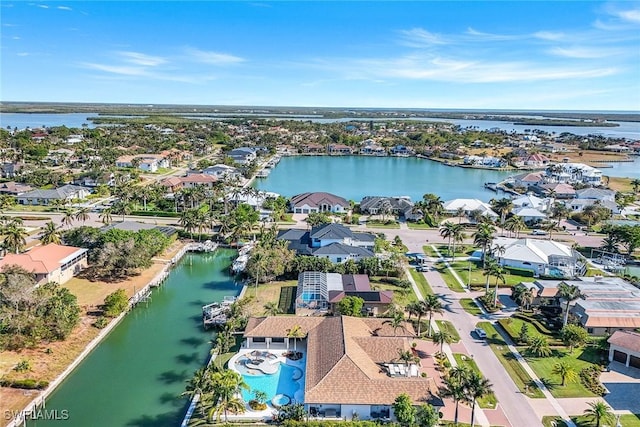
590,378
257,406
101,322
535,322
115,303
157,213
23,366
28,384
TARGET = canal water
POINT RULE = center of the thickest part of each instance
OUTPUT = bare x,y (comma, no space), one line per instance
354,177
134,377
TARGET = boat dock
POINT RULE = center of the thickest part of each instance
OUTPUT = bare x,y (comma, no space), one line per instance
240,263
215,314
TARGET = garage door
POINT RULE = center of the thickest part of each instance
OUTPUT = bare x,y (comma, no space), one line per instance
619,356
635,362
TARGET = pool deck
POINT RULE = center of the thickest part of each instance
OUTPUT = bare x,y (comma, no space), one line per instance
272,363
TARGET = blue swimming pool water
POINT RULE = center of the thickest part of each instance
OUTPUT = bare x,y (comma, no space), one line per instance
282,382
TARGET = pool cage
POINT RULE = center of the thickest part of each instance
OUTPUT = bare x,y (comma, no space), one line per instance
313,289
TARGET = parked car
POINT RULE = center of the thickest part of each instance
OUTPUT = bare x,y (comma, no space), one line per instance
422,268
480,333
538,232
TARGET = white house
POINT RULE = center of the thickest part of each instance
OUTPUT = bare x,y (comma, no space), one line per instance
468,206
306,203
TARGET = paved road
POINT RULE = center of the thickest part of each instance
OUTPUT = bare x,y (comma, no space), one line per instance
514,404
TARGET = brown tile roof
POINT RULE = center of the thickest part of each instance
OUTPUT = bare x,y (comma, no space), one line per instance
198,178
42,259
626,339
612,322
345,357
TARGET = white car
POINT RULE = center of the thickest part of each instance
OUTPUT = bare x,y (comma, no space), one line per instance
539,232
480,333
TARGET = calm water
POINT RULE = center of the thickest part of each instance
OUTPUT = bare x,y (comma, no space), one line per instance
134,376
36,120
354,177
624,169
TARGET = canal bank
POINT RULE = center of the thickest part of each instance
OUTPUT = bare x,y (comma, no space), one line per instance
134,377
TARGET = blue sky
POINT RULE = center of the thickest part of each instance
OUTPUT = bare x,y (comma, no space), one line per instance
569,55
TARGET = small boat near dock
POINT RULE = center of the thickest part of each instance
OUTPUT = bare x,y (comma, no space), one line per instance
215,314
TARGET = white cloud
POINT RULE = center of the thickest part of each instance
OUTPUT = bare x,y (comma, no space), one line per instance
489,36
549,35
117,69
43,6
142,59
632,15
211,57
64,8
582,52
419,37
23,54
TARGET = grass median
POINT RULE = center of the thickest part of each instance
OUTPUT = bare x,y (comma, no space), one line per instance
515,370
421,281
487,402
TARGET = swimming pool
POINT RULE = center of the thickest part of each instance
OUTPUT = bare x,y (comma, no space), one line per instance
284,381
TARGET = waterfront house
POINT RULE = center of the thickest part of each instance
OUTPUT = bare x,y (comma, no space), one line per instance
242,155
339,149
529,201
484,161
578,205
569,173
306,203
333,241
352,368
401,151
596,194
371,149
560,191
321,292
527,180
44,197
468,206
541,257
220,171
381,205
533,161
312,148
49,263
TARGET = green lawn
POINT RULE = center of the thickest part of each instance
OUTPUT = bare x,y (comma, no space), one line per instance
416,226
421,281
378,224
490,400
470,306
478,280
579,358
515,370
445,325
448,277
513,326
428,250
461,250
401,297
627,420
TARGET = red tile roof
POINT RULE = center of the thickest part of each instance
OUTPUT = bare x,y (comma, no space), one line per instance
626,339
42,259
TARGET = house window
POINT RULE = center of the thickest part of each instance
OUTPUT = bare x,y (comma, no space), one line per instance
280,340
339,259
590,330
259,339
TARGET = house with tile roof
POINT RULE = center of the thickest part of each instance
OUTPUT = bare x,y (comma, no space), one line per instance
49,263
352,367
624,347
306,203
382,205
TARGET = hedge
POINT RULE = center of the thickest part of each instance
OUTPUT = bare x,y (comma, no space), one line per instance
157,213
28,384
519,271
590,378
535,322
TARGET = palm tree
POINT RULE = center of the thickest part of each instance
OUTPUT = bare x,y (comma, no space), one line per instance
431,305
189,221
295,332
503,207
68,218
498,273
83,215
454,388
569,293
599,412
106,216
499,250
396,322
271,308
539,346
199,384
460,213
514,224
527,297
456,236
14,237
635,183
476,387
565,371
489,269
226,385
446,231
483,237
441,337
50,234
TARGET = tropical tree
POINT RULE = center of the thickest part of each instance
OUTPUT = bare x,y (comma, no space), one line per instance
408,358
106,216
488,271
565,371
514,224
502,207
83,215
483,237
68,218
431,305
226,385
189,221
568,293
271,308
441,337
396,322
476,387
15,237
573,336
295,332
50,234
198,385
447,231
427,416
455,389
599,412
635,183
404,410
526,298
539,346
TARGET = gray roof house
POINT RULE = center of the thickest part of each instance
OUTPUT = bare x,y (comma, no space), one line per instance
333,241
596,194
381,205
242,155
318,202
44,197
